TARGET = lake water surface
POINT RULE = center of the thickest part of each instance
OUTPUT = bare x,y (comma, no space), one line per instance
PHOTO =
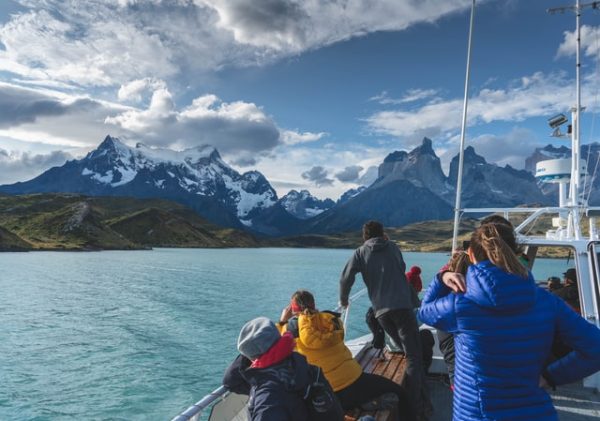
143,334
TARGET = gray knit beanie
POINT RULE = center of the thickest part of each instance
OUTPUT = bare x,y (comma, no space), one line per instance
256,337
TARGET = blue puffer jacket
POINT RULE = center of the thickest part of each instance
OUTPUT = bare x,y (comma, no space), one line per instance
504,326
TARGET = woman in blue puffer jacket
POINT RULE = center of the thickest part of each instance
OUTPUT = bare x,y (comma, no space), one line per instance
504,326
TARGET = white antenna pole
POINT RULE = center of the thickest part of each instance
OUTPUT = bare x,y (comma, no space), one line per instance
461,155
574,185
575,144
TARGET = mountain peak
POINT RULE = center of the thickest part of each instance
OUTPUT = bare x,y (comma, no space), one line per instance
107,143
110,146
472,157
202,153
111,143
426,148
395,156
303,205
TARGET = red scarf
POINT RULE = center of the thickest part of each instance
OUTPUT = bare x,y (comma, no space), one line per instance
278,352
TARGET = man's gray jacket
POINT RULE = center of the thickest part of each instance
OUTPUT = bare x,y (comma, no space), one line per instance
382,267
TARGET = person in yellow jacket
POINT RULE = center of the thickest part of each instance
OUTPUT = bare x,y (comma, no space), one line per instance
320,338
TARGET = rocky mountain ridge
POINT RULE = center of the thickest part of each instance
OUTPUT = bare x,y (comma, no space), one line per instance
196,177
410,187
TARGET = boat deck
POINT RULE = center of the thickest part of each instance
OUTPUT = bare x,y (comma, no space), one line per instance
572,402
389,365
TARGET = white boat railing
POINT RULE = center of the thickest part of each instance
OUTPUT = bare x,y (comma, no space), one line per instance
535,213
194,412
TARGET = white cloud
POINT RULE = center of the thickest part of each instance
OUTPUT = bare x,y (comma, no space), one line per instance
134,90
349,174
318,175
74,44
532,96
290,137
589,42
109,43
52,113
19,166
285,165
510,148
412,95
239,130
287,26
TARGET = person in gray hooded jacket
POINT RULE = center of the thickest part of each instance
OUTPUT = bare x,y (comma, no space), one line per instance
382,268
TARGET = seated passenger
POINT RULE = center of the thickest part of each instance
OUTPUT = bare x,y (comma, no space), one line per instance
553,283
570,292
459,263
413,276
278,380
320,337
504,326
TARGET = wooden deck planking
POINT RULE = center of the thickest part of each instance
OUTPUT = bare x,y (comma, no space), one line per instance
391,367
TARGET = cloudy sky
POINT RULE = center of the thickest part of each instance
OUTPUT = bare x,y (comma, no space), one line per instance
313,93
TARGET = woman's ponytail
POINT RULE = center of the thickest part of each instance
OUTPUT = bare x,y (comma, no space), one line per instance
497,243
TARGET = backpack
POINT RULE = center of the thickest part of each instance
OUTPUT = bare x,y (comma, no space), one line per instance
321,401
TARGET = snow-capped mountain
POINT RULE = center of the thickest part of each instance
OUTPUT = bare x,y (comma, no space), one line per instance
412,187
304,205
196,177
349,194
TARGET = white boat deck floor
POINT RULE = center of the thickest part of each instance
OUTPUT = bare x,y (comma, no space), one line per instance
575,403
572,402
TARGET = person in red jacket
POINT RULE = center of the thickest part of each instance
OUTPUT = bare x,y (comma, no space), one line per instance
413,276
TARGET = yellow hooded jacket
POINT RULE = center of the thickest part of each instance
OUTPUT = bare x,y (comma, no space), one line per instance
321,340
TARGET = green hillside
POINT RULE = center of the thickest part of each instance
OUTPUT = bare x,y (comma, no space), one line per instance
420,236
75,222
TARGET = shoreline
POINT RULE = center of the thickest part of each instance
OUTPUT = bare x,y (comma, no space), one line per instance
424,249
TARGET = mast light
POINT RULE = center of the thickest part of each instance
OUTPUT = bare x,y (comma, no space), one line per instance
557,121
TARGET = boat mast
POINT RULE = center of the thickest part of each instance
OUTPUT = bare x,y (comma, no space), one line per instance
461,155
575,202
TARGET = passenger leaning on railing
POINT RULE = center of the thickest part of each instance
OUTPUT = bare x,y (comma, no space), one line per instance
320,337
281,385
503,326
382,267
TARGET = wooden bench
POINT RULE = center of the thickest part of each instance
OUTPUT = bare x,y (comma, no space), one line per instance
391,366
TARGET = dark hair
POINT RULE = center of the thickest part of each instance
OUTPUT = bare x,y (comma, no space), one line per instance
459,262
497,243
372,229
304,299
553,283
497,220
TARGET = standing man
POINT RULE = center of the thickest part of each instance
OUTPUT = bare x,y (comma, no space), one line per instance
382,268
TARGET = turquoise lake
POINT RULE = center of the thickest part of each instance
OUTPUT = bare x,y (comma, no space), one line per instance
144,334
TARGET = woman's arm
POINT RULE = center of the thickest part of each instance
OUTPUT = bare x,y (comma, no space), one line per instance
440,313
584,338
233,379
437,289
